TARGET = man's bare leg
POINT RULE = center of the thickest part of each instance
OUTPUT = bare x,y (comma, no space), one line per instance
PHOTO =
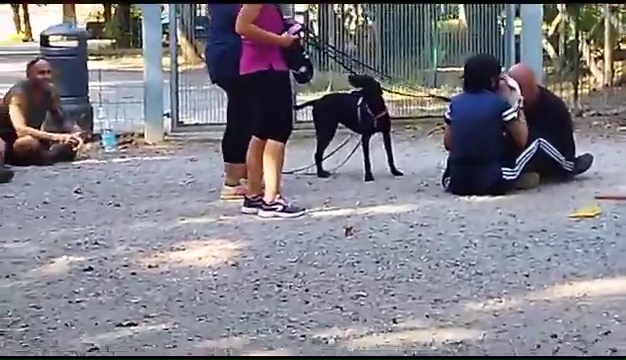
59,152
28,151
6,174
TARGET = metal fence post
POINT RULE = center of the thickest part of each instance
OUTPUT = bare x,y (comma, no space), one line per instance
152,33
532,37
173,50
509,35
289,10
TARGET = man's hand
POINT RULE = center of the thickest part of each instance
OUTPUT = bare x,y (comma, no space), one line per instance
75,140
510,89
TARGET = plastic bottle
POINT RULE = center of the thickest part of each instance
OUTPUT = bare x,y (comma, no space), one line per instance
108,138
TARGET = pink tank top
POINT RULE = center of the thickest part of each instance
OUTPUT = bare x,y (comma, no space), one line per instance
256,56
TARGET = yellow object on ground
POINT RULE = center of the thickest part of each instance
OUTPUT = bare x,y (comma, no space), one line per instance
586,212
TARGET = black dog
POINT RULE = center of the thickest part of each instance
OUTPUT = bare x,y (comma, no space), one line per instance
363,111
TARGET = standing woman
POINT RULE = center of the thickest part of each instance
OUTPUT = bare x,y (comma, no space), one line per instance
222,56
267,80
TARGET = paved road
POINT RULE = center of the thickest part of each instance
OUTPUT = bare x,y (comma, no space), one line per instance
137,257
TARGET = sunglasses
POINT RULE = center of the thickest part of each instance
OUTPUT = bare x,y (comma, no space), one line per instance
44,72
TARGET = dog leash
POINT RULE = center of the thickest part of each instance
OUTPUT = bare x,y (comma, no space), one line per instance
333,53
301,170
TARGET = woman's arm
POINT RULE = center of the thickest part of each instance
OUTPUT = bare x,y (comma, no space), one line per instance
245,26
447,137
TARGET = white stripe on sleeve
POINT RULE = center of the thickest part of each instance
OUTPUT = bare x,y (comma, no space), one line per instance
510,113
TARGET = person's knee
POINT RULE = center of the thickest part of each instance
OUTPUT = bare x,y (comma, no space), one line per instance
234,148
278,125
27,144
27,151
61,153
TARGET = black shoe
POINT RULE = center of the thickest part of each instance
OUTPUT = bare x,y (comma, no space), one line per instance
251,205
582,163
6,174
280,208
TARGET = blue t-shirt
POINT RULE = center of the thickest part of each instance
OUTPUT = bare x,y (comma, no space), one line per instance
478,147
223,49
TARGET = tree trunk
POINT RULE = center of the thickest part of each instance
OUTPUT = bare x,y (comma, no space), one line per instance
188,50
28,29
107,12
69,13
17,19
122,15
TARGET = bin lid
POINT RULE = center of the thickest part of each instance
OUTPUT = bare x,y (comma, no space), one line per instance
66,29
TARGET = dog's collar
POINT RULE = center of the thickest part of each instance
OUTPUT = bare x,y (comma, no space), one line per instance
360,102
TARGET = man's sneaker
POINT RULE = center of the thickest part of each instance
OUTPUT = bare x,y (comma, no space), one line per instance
582,163
232,192
529,180
251,205
6,174
280,208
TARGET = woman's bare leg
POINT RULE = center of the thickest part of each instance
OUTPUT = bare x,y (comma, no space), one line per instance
234,173
273,161
254,165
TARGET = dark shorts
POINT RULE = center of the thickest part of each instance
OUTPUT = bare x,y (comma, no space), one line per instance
271,104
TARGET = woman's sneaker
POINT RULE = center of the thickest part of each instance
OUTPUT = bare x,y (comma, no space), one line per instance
252,204
280,208
582,163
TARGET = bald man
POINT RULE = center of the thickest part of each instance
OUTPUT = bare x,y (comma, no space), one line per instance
548,118
32,125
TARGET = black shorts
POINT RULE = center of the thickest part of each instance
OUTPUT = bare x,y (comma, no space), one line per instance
270,99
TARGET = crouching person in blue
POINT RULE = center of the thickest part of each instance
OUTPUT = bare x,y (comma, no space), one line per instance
487,138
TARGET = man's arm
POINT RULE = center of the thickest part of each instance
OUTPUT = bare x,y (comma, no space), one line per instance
562,129
515,124
17,101
58,117
447,135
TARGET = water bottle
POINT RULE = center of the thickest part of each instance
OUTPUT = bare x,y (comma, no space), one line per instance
109,141
108,138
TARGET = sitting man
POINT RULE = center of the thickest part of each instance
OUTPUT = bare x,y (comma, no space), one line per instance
548,118
485,136
31,122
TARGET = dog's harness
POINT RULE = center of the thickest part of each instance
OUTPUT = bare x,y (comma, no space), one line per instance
367,122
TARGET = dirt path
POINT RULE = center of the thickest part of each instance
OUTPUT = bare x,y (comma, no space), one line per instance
138,257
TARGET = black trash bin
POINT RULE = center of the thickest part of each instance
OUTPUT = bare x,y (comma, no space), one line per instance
65,48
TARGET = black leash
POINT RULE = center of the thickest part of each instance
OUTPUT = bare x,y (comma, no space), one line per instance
341,58
336,55
300,170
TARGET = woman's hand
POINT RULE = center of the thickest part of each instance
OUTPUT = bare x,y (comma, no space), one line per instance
286,40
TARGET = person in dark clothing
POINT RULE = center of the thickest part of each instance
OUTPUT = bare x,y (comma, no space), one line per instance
6,174
549,118
32,124
223,51
486,138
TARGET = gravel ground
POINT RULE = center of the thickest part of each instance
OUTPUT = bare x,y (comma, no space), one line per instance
138,257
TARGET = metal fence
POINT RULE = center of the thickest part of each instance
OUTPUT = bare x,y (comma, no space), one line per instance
416,48
419,48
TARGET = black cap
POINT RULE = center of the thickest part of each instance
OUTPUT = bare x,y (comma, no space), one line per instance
482,65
